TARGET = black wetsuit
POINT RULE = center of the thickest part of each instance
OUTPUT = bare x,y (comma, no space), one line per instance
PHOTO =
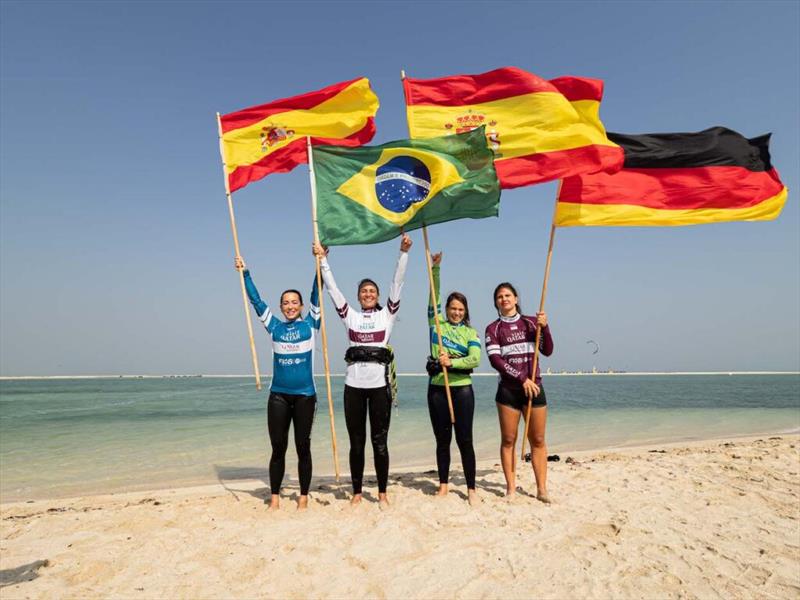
377,404
282,410
463,408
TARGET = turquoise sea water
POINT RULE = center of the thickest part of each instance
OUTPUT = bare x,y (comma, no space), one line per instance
79,436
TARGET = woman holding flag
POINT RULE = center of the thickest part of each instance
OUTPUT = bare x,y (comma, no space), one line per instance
510,343
460,353
367,390
292,396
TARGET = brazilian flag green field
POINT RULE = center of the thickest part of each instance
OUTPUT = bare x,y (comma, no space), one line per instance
370,194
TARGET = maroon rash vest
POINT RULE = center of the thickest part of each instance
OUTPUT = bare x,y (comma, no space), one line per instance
510,342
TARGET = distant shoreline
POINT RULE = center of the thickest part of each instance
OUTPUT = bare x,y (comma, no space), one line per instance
562,374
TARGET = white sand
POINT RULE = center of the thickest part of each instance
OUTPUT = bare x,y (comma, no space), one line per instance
707,520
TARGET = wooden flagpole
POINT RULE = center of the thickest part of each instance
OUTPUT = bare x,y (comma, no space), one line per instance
436,322
238,255
433,301
312,180
541,308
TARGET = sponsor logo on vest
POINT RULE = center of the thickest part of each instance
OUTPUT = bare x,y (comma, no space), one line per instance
367,337
291,336
288,362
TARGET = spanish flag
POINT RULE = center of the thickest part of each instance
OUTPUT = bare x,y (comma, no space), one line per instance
271,138
370,194
539,130
678,179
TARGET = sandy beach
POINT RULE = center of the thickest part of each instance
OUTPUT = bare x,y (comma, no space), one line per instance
715,519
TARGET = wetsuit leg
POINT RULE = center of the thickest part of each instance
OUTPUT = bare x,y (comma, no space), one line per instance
442,428
380,413
355,417
303,417
279,417
464,409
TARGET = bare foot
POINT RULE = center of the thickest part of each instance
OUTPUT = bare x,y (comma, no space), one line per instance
274,502
355,500
472,497
442,490
511,492
302,502
383,501
543,496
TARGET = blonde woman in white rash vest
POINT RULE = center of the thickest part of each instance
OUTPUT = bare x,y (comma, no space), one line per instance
367,389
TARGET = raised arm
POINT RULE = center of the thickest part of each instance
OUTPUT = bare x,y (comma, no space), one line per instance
262,308
313,310
393,304
436,259
496,358
336,295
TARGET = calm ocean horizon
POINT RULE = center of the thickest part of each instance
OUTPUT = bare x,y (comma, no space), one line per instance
66,437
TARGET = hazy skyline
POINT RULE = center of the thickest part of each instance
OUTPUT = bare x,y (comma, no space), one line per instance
115,245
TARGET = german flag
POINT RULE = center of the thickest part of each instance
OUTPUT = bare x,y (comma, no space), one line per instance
539,130
678,179
271,138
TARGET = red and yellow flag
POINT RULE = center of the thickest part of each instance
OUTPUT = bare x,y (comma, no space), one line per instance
678,179
271,138
539,130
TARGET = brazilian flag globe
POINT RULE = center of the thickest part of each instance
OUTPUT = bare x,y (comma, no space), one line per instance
370,194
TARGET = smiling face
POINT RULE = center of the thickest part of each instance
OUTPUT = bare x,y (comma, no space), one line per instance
455,311
368,296
291,305
505,301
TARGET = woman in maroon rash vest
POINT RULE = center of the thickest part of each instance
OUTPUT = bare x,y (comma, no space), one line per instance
510,342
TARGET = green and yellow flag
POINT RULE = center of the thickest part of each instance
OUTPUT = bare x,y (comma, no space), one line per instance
369,194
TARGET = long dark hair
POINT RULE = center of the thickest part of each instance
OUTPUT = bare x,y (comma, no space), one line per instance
463,299
508,286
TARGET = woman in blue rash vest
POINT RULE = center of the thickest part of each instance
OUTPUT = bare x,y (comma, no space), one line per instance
292,396
367,391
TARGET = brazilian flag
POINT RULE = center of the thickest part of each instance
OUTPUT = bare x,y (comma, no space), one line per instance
369,194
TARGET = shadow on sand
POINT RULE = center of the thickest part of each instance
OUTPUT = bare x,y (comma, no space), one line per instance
22,573
426,482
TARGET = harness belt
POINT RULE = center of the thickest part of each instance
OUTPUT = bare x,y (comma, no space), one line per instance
374,354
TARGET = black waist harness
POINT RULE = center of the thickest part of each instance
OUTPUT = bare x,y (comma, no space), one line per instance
374,354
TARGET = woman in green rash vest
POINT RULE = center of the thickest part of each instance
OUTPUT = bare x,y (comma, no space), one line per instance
461,352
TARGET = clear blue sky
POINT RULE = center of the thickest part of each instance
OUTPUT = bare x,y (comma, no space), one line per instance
115,246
